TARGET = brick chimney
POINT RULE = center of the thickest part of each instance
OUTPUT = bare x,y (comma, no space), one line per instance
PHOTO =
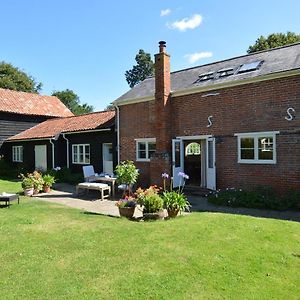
161,161
162,98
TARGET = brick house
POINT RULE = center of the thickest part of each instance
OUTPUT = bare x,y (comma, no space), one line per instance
232,123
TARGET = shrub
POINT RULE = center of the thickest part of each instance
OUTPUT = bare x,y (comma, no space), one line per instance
174,200
153,203
150,199
127,174
65,175
48,180
262,197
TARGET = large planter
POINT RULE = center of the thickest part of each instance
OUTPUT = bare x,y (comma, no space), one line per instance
28,192
46,189
154,216
173,213
126,212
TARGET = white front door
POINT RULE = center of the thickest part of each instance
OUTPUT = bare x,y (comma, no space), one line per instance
177,160
40,153
211,163
107,150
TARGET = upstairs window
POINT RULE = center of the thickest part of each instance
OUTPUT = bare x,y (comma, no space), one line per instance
257,148
225,72
206,76
145,148
248,67
81,154
17,153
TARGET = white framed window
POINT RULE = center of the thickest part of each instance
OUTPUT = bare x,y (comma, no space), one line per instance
145,148
257,147
81,154
17,153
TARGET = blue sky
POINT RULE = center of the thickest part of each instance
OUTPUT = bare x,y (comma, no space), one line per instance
87,45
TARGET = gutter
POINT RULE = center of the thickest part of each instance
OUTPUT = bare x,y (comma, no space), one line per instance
118,133
53,154
68,161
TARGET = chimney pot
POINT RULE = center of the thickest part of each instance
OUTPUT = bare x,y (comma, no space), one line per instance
162,46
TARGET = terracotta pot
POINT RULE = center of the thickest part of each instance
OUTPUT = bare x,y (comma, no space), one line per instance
28,192
46,189
35,192
173,213
154,216
127,212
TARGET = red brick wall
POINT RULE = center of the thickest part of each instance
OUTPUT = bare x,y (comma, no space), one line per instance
248,108
136,121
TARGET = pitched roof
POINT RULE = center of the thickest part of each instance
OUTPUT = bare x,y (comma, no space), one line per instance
32,104
274,61
53,127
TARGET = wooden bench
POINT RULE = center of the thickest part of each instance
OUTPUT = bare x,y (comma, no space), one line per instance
102,187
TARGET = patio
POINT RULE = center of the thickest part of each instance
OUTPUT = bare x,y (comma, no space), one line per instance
90,202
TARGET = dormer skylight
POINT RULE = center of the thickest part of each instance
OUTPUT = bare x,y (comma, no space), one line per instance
250,66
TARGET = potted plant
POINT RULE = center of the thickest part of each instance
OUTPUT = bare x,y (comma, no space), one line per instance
48,182
151,202
38,182
127,174
175,201
126,207
27,185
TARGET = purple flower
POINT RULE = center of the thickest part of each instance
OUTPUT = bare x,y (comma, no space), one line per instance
183,175
165,175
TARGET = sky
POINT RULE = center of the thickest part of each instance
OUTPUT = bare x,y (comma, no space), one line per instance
87,45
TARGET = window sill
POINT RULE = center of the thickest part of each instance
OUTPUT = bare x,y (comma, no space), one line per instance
143,160
257,162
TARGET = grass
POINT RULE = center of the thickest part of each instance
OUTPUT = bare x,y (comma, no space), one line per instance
49,251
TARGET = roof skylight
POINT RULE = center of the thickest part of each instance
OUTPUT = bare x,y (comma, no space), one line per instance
225,72
250,66
206,76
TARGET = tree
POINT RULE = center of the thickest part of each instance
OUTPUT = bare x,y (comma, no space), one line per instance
109,107
72,101
143,69
13,78
274,40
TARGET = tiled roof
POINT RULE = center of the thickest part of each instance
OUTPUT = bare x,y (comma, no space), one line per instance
275,60
32,104
53,127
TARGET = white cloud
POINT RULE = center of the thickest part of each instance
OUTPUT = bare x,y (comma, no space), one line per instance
186,23
165,12
194,57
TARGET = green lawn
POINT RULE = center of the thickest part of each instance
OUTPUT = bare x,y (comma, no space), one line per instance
53,252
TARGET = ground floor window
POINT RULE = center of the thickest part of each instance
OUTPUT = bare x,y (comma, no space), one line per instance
81,154
145,148
17,153
257,147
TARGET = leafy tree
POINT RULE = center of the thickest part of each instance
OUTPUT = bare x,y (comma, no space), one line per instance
72,101
144,68
109,107
14,79
274,40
